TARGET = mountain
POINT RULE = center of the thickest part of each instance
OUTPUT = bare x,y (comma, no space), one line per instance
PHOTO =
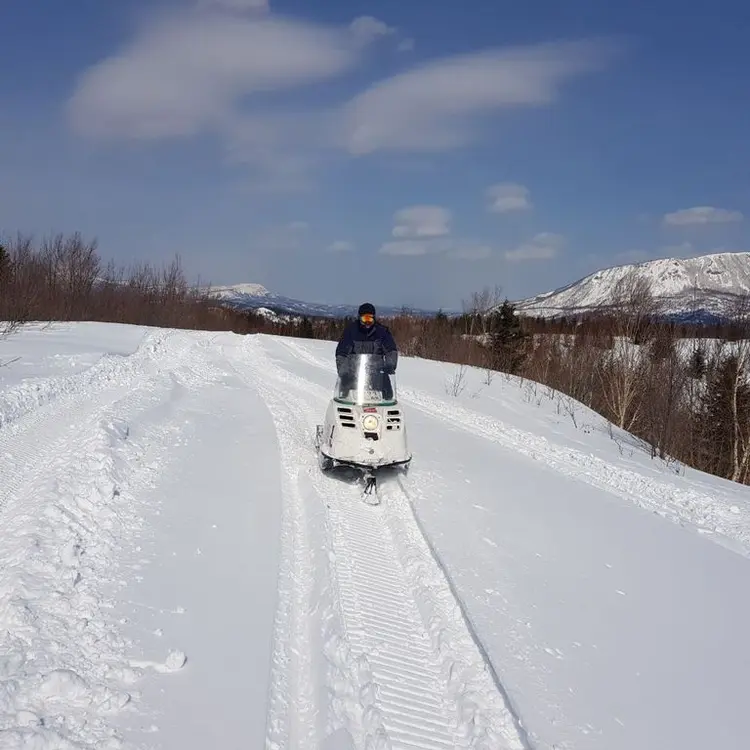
256,297
701,289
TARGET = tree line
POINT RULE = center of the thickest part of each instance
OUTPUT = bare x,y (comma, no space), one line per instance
683,390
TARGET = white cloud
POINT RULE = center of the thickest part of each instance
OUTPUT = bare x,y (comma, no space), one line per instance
366,29
340,246
188,73
508,196
406,45
701,215
434,107
422,221
237,5
544,246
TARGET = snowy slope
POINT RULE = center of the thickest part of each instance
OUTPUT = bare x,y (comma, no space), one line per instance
708,285
175,571
256,297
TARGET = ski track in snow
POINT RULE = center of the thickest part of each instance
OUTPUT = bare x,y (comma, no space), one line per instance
726,522
404,669
71,473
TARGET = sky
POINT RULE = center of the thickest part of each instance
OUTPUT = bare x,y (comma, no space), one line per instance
407,153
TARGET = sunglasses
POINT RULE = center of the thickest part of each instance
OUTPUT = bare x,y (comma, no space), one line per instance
367,318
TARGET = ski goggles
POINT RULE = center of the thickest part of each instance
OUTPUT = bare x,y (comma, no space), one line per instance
367,318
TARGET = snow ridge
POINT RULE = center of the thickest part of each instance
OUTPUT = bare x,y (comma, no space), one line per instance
413,677
71,474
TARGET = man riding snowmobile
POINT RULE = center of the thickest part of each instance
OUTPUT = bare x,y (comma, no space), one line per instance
367,336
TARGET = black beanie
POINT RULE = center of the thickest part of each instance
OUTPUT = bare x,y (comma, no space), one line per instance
366,308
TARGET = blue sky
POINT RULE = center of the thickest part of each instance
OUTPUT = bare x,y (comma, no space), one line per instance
409,153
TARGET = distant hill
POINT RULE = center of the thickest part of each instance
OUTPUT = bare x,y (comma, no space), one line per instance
256,296
701,289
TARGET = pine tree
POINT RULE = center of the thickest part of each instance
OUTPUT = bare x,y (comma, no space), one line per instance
507,338
698,366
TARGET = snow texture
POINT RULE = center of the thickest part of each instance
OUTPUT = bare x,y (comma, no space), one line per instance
175,571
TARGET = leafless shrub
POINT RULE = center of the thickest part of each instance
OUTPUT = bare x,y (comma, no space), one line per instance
457,384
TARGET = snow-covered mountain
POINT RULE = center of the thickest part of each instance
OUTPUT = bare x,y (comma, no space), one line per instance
256,296
699,288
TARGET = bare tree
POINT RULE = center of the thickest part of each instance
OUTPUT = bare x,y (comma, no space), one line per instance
479,307
624,371
740,318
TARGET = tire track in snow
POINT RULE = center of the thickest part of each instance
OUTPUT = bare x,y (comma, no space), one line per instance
410,675
727,522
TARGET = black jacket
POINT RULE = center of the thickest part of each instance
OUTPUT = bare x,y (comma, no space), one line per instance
359,340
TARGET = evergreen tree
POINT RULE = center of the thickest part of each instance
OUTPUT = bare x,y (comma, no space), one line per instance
306,330
507,338
697,367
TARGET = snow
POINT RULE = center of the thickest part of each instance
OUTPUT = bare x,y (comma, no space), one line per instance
708,282
175,571
252,290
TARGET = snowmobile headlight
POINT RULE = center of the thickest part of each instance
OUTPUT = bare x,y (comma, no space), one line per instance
370,422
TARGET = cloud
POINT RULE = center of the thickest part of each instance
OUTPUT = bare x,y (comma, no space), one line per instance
543,246
188,73
366,29
236,5
406,45
701,215
435,106
422,221
508,196
340,246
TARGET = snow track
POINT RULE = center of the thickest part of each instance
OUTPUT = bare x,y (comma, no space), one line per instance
726,521
405,671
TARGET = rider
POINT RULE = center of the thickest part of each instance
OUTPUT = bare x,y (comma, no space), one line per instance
367,336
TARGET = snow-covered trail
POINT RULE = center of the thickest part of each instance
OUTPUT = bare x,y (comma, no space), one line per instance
592,606
407,673
728,523
527,585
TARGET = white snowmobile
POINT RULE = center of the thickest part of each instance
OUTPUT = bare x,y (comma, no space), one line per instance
364,426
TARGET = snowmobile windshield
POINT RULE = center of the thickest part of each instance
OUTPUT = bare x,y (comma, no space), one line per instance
365,382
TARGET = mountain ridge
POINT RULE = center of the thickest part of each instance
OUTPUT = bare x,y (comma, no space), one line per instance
702,288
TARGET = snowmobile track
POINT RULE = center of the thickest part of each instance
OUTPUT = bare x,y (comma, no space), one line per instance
420,680
726,523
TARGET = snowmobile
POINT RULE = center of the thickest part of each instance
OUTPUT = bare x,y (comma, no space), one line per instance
364,426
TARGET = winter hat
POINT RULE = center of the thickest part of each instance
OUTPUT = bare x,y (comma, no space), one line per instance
366,308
